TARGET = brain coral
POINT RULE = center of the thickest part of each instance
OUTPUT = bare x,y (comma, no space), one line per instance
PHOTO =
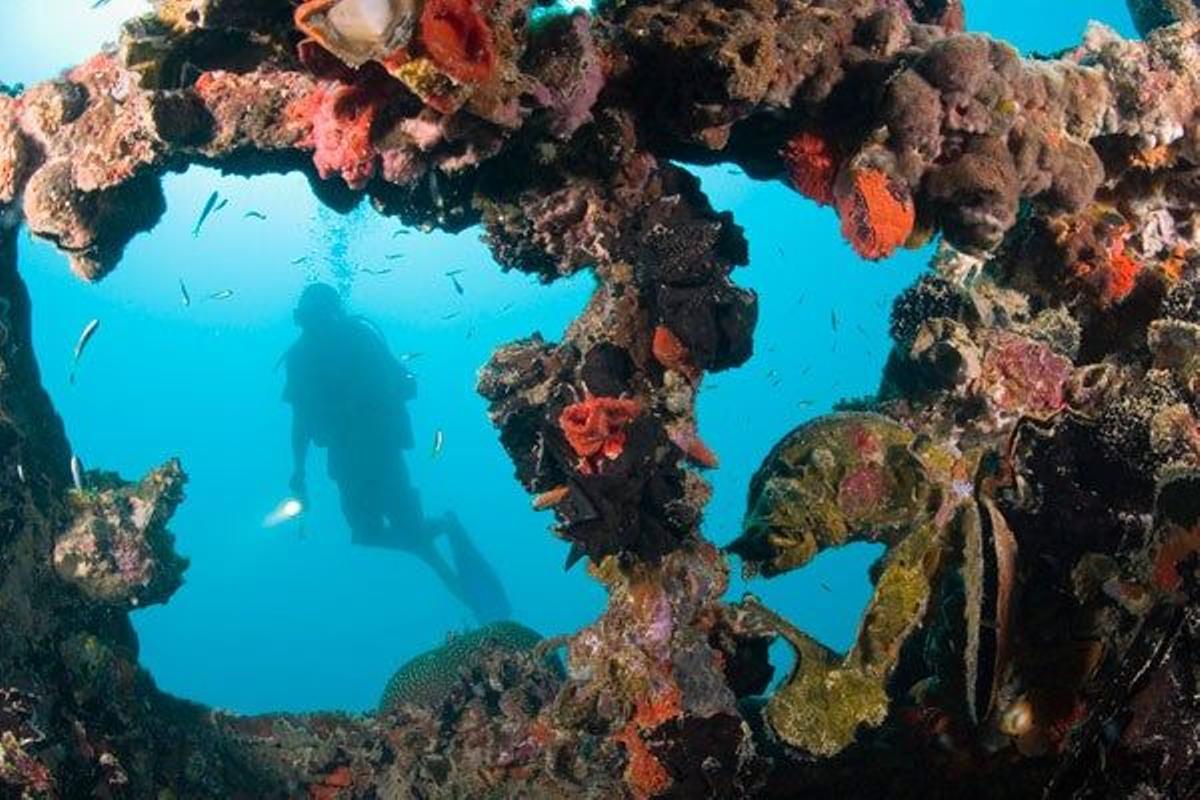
428,679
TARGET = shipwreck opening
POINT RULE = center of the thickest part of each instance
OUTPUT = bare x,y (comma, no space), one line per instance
815,346
825,598
651,705
185,362
65,32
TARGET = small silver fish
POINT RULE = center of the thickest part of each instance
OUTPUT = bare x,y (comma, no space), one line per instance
224,202
451,315
439,439
299,260
833,319
209,206
89,331
183,293
21,472
254,215
435,191
224,294
457,286
394,256
380,271
401,232
76,473
405,357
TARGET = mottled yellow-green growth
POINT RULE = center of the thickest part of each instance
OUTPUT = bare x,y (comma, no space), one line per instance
821,708
825,700
837,479
842,478
898,603
427,679
425,80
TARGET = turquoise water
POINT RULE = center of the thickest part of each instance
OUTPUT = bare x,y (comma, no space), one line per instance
291,618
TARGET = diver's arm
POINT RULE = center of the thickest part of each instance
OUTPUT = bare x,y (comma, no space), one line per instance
407,384
300,440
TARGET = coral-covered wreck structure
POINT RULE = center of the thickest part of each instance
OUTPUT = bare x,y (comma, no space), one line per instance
1031,463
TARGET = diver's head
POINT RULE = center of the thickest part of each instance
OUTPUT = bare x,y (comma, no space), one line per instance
319,305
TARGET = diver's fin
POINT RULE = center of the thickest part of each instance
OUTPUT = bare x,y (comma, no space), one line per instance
577,552
478,583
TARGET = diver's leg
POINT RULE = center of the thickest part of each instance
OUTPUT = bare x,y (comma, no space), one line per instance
486,596
411,532
410,528
362,515
449,578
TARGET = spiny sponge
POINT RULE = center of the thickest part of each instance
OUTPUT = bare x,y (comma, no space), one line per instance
812,165
1182,302
876,210
1124,429
930,297
428,679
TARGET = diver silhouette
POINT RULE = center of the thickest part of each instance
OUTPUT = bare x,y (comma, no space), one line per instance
348,393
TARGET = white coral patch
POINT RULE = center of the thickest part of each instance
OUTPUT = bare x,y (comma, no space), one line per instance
362,20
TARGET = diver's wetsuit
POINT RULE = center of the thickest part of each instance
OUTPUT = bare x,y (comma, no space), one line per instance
348,392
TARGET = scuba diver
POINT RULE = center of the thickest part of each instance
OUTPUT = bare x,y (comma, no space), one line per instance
348,393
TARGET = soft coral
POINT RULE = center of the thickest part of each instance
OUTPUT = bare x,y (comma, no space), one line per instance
458,39
595,429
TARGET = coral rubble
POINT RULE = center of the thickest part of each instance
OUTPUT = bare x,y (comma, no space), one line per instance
1031,462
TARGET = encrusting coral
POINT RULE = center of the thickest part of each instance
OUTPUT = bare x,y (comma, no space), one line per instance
116,549
1030,462
830,482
